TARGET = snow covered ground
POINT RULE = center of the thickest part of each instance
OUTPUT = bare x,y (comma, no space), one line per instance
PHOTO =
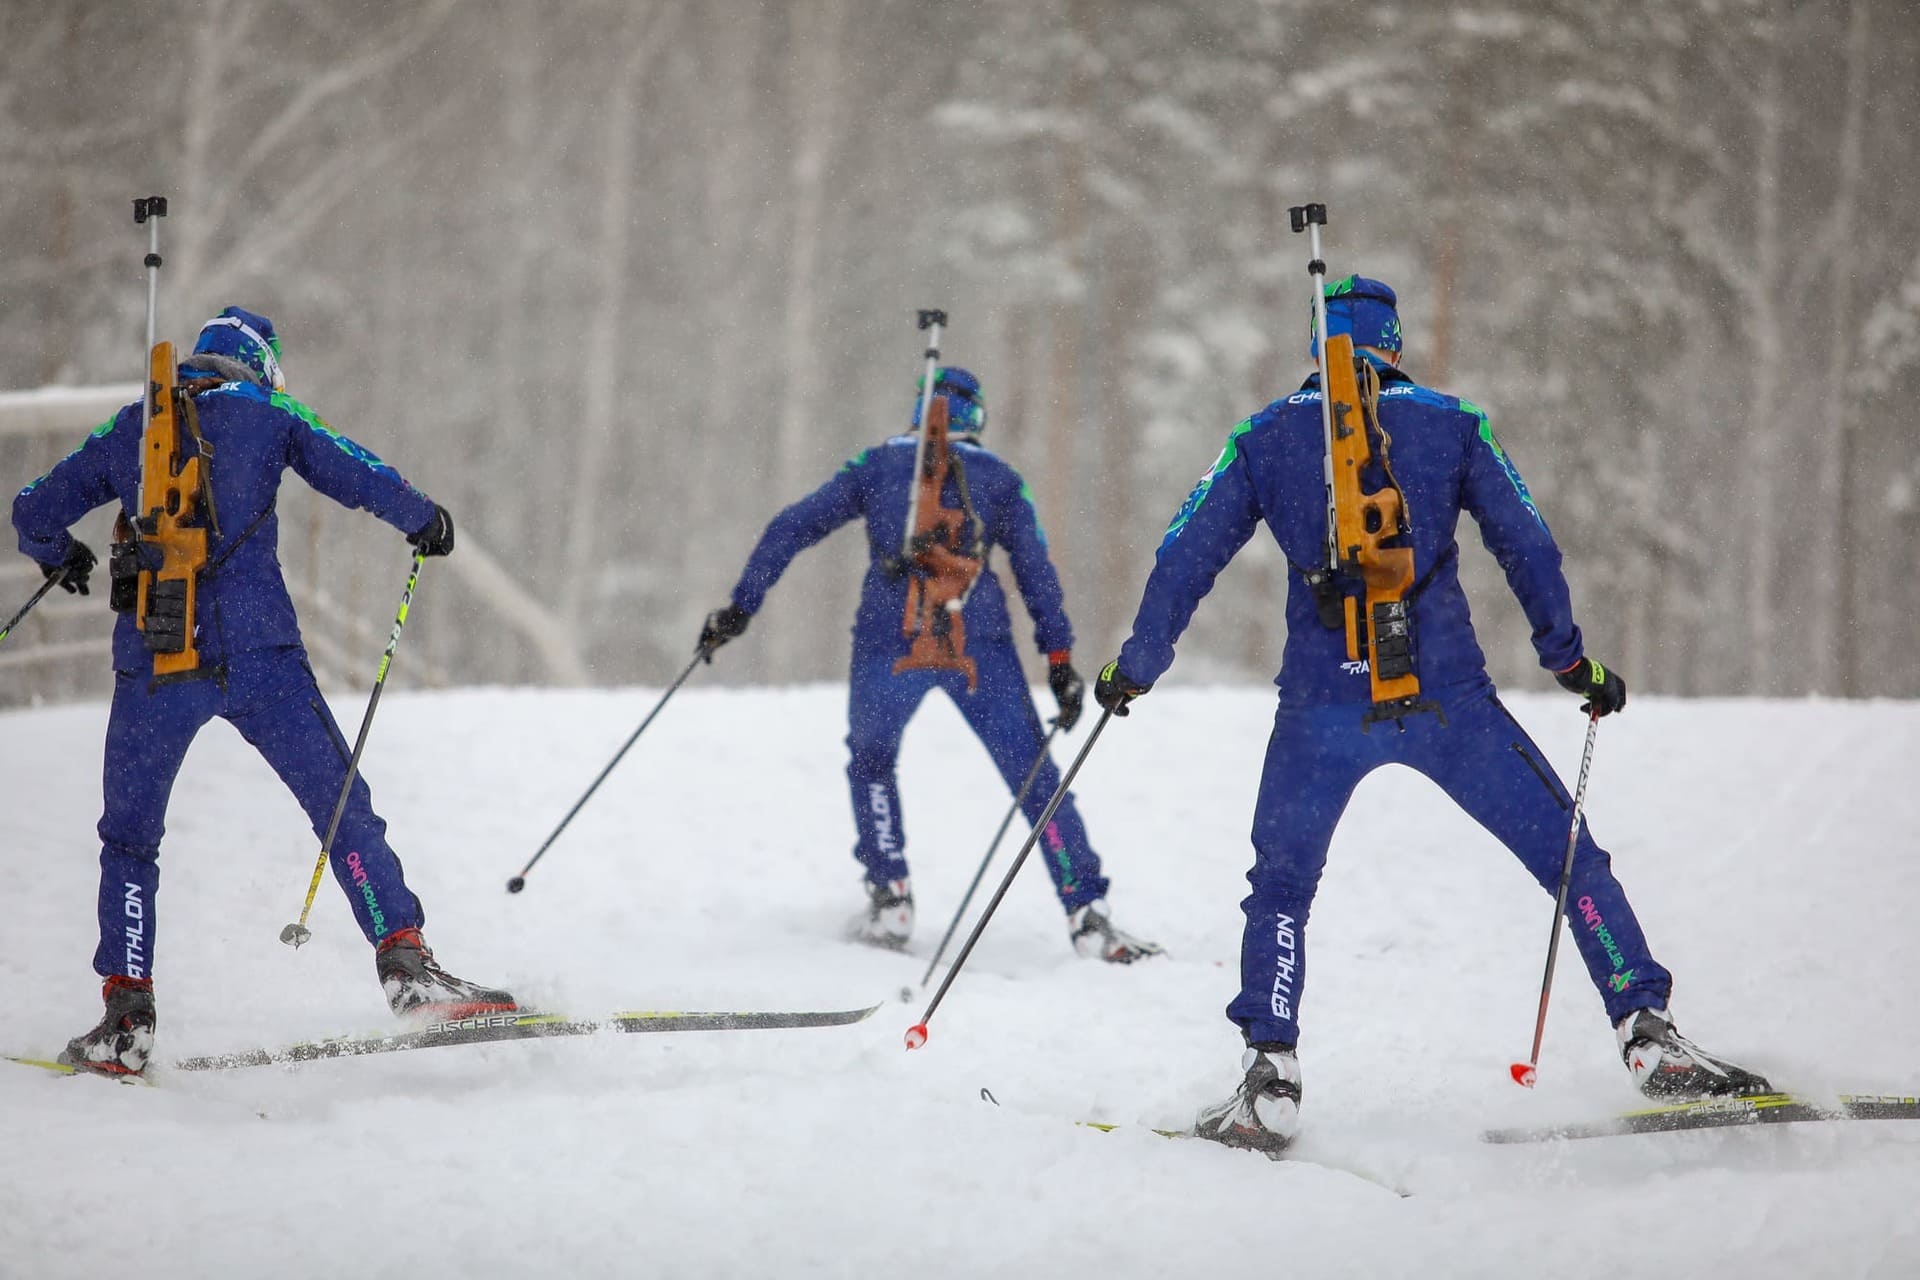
1768,847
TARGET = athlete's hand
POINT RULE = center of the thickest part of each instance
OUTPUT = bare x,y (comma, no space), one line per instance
1069,690
1114,691
435,537
77,565
1605,692
721,626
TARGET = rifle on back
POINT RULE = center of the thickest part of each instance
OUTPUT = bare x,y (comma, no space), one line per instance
941,548
169,533
1369,533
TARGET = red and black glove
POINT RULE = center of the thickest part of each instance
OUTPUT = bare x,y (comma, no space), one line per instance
1069,690
1605,692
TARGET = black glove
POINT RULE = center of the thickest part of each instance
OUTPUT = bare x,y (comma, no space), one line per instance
1605,692
78,564
1069,690
721,626
1114,691
435,537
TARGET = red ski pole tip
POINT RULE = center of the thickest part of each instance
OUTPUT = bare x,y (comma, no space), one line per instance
1524,1074
916,1035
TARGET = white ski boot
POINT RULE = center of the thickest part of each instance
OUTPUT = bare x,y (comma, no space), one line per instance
1264,1112
889,919
1095,936
1668,1066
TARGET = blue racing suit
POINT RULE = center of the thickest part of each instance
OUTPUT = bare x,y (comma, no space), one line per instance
253,668
877,484
1446,460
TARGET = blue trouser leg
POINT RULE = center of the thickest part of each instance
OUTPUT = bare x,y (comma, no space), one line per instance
1316,756
1001,714
1493,771
1486,763
279,711
148,733
879,704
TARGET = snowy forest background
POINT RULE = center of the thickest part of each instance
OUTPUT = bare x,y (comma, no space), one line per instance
615,281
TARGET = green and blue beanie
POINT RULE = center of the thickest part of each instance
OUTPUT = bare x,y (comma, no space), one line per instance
1365,308
247,339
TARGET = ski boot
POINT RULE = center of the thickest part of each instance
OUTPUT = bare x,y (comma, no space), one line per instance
1264,1112
1094,935
417,987
120,1044
1668,1066
889,919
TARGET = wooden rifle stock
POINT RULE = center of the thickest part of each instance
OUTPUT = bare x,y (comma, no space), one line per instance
941,571
174,512
1364,522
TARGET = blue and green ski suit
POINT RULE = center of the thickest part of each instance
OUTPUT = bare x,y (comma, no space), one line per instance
253,668
1446,460
876,485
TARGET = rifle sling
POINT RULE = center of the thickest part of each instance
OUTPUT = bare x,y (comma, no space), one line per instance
190,418
976,551
233,546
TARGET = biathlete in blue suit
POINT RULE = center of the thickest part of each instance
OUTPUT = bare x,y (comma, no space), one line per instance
1446,461
877,485
253,670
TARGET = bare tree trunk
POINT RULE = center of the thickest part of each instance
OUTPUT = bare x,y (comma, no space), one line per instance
508,429
1067,331
1833,624
192,226
813,88
1766,422
607,328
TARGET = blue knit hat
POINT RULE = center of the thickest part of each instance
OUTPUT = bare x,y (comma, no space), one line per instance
1362,307
966,406
247,338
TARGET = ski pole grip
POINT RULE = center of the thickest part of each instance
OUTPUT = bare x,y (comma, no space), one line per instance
145,207
931,316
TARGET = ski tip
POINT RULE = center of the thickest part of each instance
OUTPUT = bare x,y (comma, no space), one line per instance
916,1035
516,884
1525,1074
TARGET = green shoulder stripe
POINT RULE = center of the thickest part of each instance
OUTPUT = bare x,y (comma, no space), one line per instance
1026,492
315,423
1201,490
1500,456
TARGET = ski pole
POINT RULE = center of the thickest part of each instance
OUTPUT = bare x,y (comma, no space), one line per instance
297,933
928,319
519,882
1019,799
917,1033
59,576
1526,1073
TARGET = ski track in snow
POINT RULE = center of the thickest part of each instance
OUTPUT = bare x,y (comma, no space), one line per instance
1767,846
